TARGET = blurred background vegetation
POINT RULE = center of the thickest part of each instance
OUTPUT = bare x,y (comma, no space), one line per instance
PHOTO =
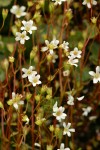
76,32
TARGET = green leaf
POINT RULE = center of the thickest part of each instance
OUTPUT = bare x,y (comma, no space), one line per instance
92,31
2,75
94,53
85,75
75,38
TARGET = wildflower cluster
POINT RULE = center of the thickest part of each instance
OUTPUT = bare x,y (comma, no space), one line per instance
27,27
46,105
33,77
16,100
73,56
89,3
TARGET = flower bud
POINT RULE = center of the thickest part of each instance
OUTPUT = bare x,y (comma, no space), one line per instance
49,91
38,7
18,23
49,147
35,48
14,30
11,59
51,128
57,131
72,33
80,45
49,57
30,3
94,20
69,14
32,54
37,97
43,89
4,13
38,122
28,96
37,16
50,78
57,84
48,97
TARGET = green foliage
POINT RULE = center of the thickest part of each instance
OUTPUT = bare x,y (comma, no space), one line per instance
75,37
2,75
94,53
85,75
93,31
5,3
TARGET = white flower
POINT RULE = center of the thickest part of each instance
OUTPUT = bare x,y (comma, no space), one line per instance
34,79
21,37
15,101
53,57
72,61
80,98
66,73
50,46
62,147
96,76
37,144
28,72
18,11
67,129
75,53
86,110
89,3
58,112
28,26
58,2
70,100
65,46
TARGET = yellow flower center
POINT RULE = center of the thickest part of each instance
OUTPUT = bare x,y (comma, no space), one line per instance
66,129
18,12
58,113
35,80
29,72
97,75
27,28
75,52
22,36
51,46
